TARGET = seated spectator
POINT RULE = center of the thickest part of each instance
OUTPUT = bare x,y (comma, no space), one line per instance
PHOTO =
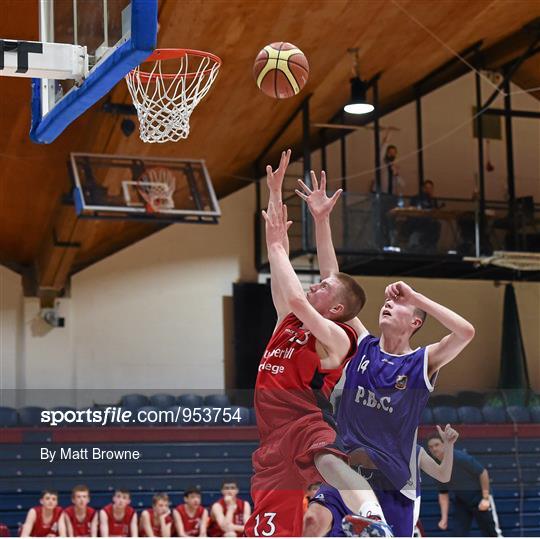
80,519
424,232
118,519
190,517
229,514
45,520
157,522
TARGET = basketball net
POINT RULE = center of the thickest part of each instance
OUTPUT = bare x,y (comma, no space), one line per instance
156,187
165,101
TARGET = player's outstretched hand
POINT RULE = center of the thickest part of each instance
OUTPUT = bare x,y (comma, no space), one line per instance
319,203
400,291
276,223
448,435
274,178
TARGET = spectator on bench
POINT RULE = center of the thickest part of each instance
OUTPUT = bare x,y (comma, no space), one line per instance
118,519
45,520
80,519
157,522
470,485
229,514
191,518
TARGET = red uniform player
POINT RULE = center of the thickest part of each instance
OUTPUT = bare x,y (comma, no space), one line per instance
300,367
80,519
229,514
157,521
118,519
45,520
191,518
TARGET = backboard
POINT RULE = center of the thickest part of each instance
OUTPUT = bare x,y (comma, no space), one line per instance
117,187
117,34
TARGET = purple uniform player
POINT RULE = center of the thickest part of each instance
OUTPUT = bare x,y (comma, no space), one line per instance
387,383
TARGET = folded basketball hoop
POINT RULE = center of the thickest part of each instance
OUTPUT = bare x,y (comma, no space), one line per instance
165,101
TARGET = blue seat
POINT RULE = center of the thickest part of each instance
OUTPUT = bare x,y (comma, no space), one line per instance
445,414
190,400
518,414
217,401
134,401
470,414
252,416
241,412
8,417
494,414
30,416
162,400
470,398
535,414
427,417
443,400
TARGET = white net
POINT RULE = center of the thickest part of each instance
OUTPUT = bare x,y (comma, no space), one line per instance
157,186
164,101
519,261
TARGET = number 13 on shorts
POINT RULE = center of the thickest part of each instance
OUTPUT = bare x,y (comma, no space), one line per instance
267,526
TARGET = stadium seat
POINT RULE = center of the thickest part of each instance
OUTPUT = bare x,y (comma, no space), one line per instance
218,401
134,401
30,416
535,414
190,400
162,400
470,398
445,414
494,414
443,400
244,415
470,414
8,417
252,416
427,417
518,414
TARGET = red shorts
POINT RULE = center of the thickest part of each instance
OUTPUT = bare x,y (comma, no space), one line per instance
284,466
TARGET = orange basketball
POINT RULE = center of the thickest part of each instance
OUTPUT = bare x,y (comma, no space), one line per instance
281,70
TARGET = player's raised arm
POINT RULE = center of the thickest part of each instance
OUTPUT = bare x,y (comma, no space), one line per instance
320,206
462,331
441,471
274,180
329,334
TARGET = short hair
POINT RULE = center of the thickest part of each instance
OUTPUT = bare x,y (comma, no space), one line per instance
428,181
79,488
433,436
352,296
122,491
192,490
160,496
419,313
229,482
391,147
49,491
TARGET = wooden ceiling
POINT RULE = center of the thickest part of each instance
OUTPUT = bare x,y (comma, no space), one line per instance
403,39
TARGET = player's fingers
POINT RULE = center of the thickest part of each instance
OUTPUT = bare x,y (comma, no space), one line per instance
288,224
301,195
306,189
287,157
336,195
265,216
314,181
323,181
440,431
284,213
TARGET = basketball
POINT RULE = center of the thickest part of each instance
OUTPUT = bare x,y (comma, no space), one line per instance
281,70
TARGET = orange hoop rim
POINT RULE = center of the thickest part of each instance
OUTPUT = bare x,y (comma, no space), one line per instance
172,54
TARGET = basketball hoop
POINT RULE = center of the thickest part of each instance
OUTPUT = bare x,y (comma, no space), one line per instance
165,101
156,186
519,261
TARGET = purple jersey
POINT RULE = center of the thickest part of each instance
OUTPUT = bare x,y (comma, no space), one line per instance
330,498
381,407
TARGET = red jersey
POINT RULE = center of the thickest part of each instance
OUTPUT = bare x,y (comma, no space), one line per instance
119,528
156,528
42,529
238,519
81,528
192,525
291,383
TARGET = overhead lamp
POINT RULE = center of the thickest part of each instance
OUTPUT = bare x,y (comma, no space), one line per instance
358,103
